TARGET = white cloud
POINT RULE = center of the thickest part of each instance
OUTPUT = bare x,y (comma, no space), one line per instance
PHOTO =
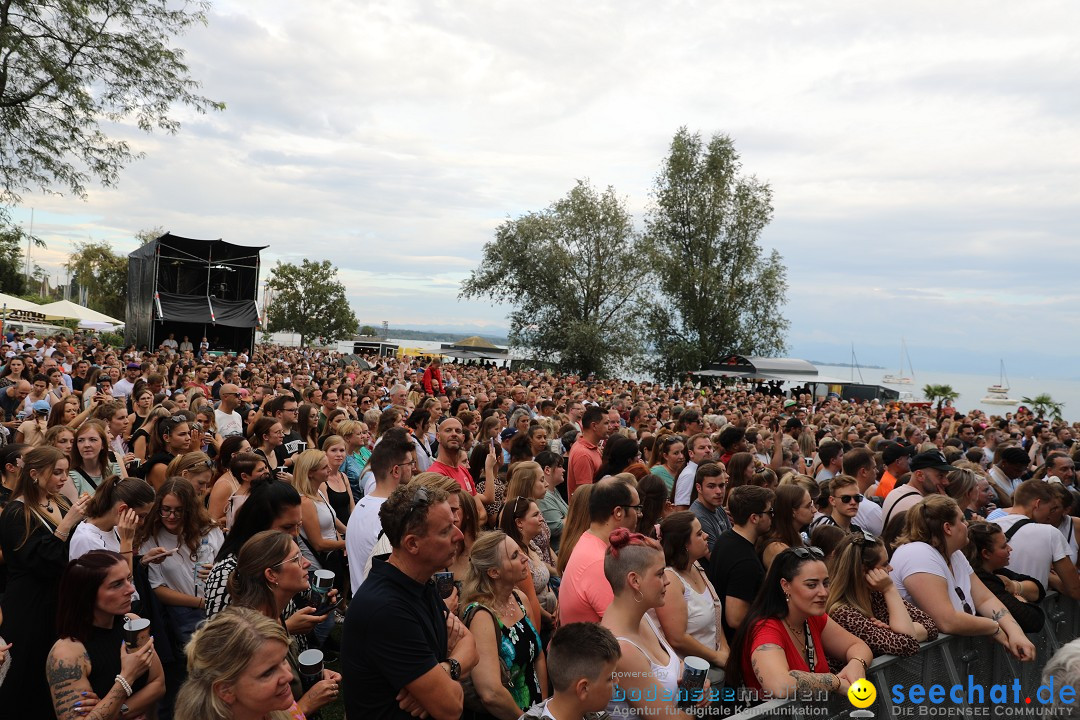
928,149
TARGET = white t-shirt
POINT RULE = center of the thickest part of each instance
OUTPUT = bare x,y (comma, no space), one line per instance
228,424
684,484
122,388
177,571
87,537
919,557
360,535
1034,547
869,516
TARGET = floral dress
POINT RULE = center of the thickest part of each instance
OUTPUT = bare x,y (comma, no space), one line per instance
519,648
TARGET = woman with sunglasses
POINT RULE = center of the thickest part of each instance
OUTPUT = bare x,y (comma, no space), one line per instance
172,438
865,602
931,571
179,523
195,467
270,572
782,644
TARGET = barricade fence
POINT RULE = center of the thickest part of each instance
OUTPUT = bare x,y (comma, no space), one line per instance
975,664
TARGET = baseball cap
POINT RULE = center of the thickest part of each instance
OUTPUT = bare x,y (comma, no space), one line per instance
134,366
789,403
42,407
931,459
894,451
507,434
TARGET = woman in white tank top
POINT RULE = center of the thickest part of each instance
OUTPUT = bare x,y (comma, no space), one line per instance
647,675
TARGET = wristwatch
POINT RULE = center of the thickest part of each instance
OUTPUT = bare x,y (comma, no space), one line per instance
455,668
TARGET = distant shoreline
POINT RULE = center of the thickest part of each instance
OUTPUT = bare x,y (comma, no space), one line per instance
847,365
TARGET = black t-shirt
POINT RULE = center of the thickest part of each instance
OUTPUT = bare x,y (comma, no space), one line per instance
293,444
394,632
10,404
162,458
735,571
78,383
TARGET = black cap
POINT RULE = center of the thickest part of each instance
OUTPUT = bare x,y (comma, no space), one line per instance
931,459
894,451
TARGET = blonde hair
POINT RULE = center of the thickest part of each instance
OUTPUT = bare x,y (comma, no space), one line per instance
576,522
219,652
522,478
853,558
486,553
181,464
302,467
926,521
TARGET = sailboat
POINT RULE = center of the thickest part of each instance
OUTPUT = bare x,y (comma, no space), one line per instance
900,378
999,394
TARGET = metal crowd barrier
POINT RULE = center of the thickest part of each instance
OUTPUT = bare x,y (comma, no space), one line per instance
947,661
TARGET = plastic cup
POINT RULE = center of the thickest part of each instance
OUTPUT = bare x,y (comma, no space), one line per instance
324,580
132,628
444,581
695,671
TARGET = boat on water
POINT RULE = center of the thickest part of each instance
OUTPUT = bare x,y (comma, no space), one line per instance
900,378
999,394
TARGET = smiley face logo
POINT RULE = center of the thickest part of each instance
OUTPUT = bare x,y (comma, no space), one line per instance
862,693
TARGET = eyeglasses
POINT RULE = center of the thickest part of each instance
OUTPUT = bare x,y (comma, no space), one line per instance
845,499
171,512
963,600
638,508
770,512
298,559
808,552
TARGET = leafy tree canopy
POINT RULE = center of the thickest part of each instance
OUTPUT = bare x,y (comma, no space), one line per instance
309,300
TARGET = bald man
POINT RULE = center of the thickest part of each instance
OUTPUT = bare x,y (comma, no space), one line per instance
228,421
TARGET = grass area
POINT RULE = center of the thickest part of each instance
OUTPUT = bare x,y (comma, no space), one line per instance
336,709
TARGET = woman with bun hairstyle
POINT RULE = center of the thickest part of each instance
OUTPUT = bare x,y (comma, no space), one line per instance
649,667
931,571
113,514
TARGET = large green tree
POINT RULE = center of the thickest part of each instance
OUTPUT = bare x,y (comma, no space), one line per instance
12,261
716,291
573,274
309,299
104,273
70,70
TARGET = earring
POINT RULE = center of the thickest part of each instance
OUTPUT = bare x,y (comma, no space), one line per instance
787,598
639,597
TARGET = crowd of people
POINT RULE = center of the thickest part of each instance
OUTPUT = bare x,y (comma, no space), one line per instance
179,530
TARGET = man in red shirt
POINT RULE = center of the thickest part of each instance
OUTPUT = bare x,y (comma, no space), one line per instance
432,379
585,453
449,460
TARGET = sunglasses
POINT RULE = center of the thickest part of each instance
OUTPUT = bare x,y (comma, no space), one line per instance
845,499
963,600
809,552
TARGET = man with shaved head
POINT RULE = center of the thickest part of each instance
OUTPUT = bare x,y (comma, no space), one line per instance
228,420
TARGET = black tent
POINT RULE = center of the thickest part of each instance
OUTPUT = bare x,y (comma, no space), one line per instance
197,288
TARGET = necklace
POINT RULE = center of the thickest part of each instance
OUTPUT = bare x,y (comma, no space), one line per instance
47,505
798,634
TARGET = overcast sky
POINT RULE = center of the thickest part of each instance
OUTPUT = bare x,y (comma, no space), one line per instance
924,156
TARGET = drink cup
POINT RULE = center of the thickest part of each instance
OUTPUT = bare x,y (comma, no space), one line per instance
324,581
445,582
695,670
311,667
132,628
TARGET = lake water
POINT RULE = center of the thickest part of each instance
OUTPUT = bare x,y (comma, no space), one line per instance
972,388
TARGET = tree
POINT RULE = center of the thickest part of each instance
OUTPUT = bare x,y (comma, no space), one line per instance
68,70
12,263
1043,405
941,393
95,266
716,292
573,274
308,299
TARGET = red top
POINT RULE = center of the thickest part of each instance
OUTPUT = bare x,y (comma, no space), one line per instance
460,474
433,380
584,462
772,631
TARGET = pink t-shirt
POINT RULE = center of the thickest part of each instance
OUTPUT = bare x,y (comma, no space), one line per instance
460,474
585,593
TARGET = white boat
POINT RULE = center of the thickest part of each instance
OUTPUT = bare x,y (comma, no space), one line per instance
999,394
900,378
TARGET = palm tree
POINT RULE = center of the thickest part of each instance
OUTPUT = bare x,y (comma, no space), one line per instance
940,393
1042,404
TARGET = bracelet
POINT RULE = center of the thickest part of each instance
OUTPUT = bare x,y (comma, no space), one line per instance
124,684
865,667
837,679
63,535
125,552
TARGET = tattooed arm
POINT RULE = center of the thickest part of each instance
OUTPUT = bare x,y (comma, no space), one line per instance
775,676
1008,632
68,673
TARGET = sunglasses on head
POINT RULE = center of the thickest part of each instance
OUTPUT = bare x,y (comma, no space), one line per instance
808,552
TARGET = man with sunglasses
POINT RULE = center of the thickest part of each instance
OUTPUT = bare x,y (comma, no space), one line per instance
844,501
226,418
735,569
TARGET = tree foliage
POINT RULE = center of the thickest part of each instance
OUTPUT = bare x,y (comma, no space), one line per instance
1044,405
717,293
69,69
308,299
12,261
574,274
104,273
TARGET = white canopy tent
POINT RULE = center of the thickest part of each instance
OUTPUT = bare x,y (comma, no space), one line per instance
24,309
87,318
